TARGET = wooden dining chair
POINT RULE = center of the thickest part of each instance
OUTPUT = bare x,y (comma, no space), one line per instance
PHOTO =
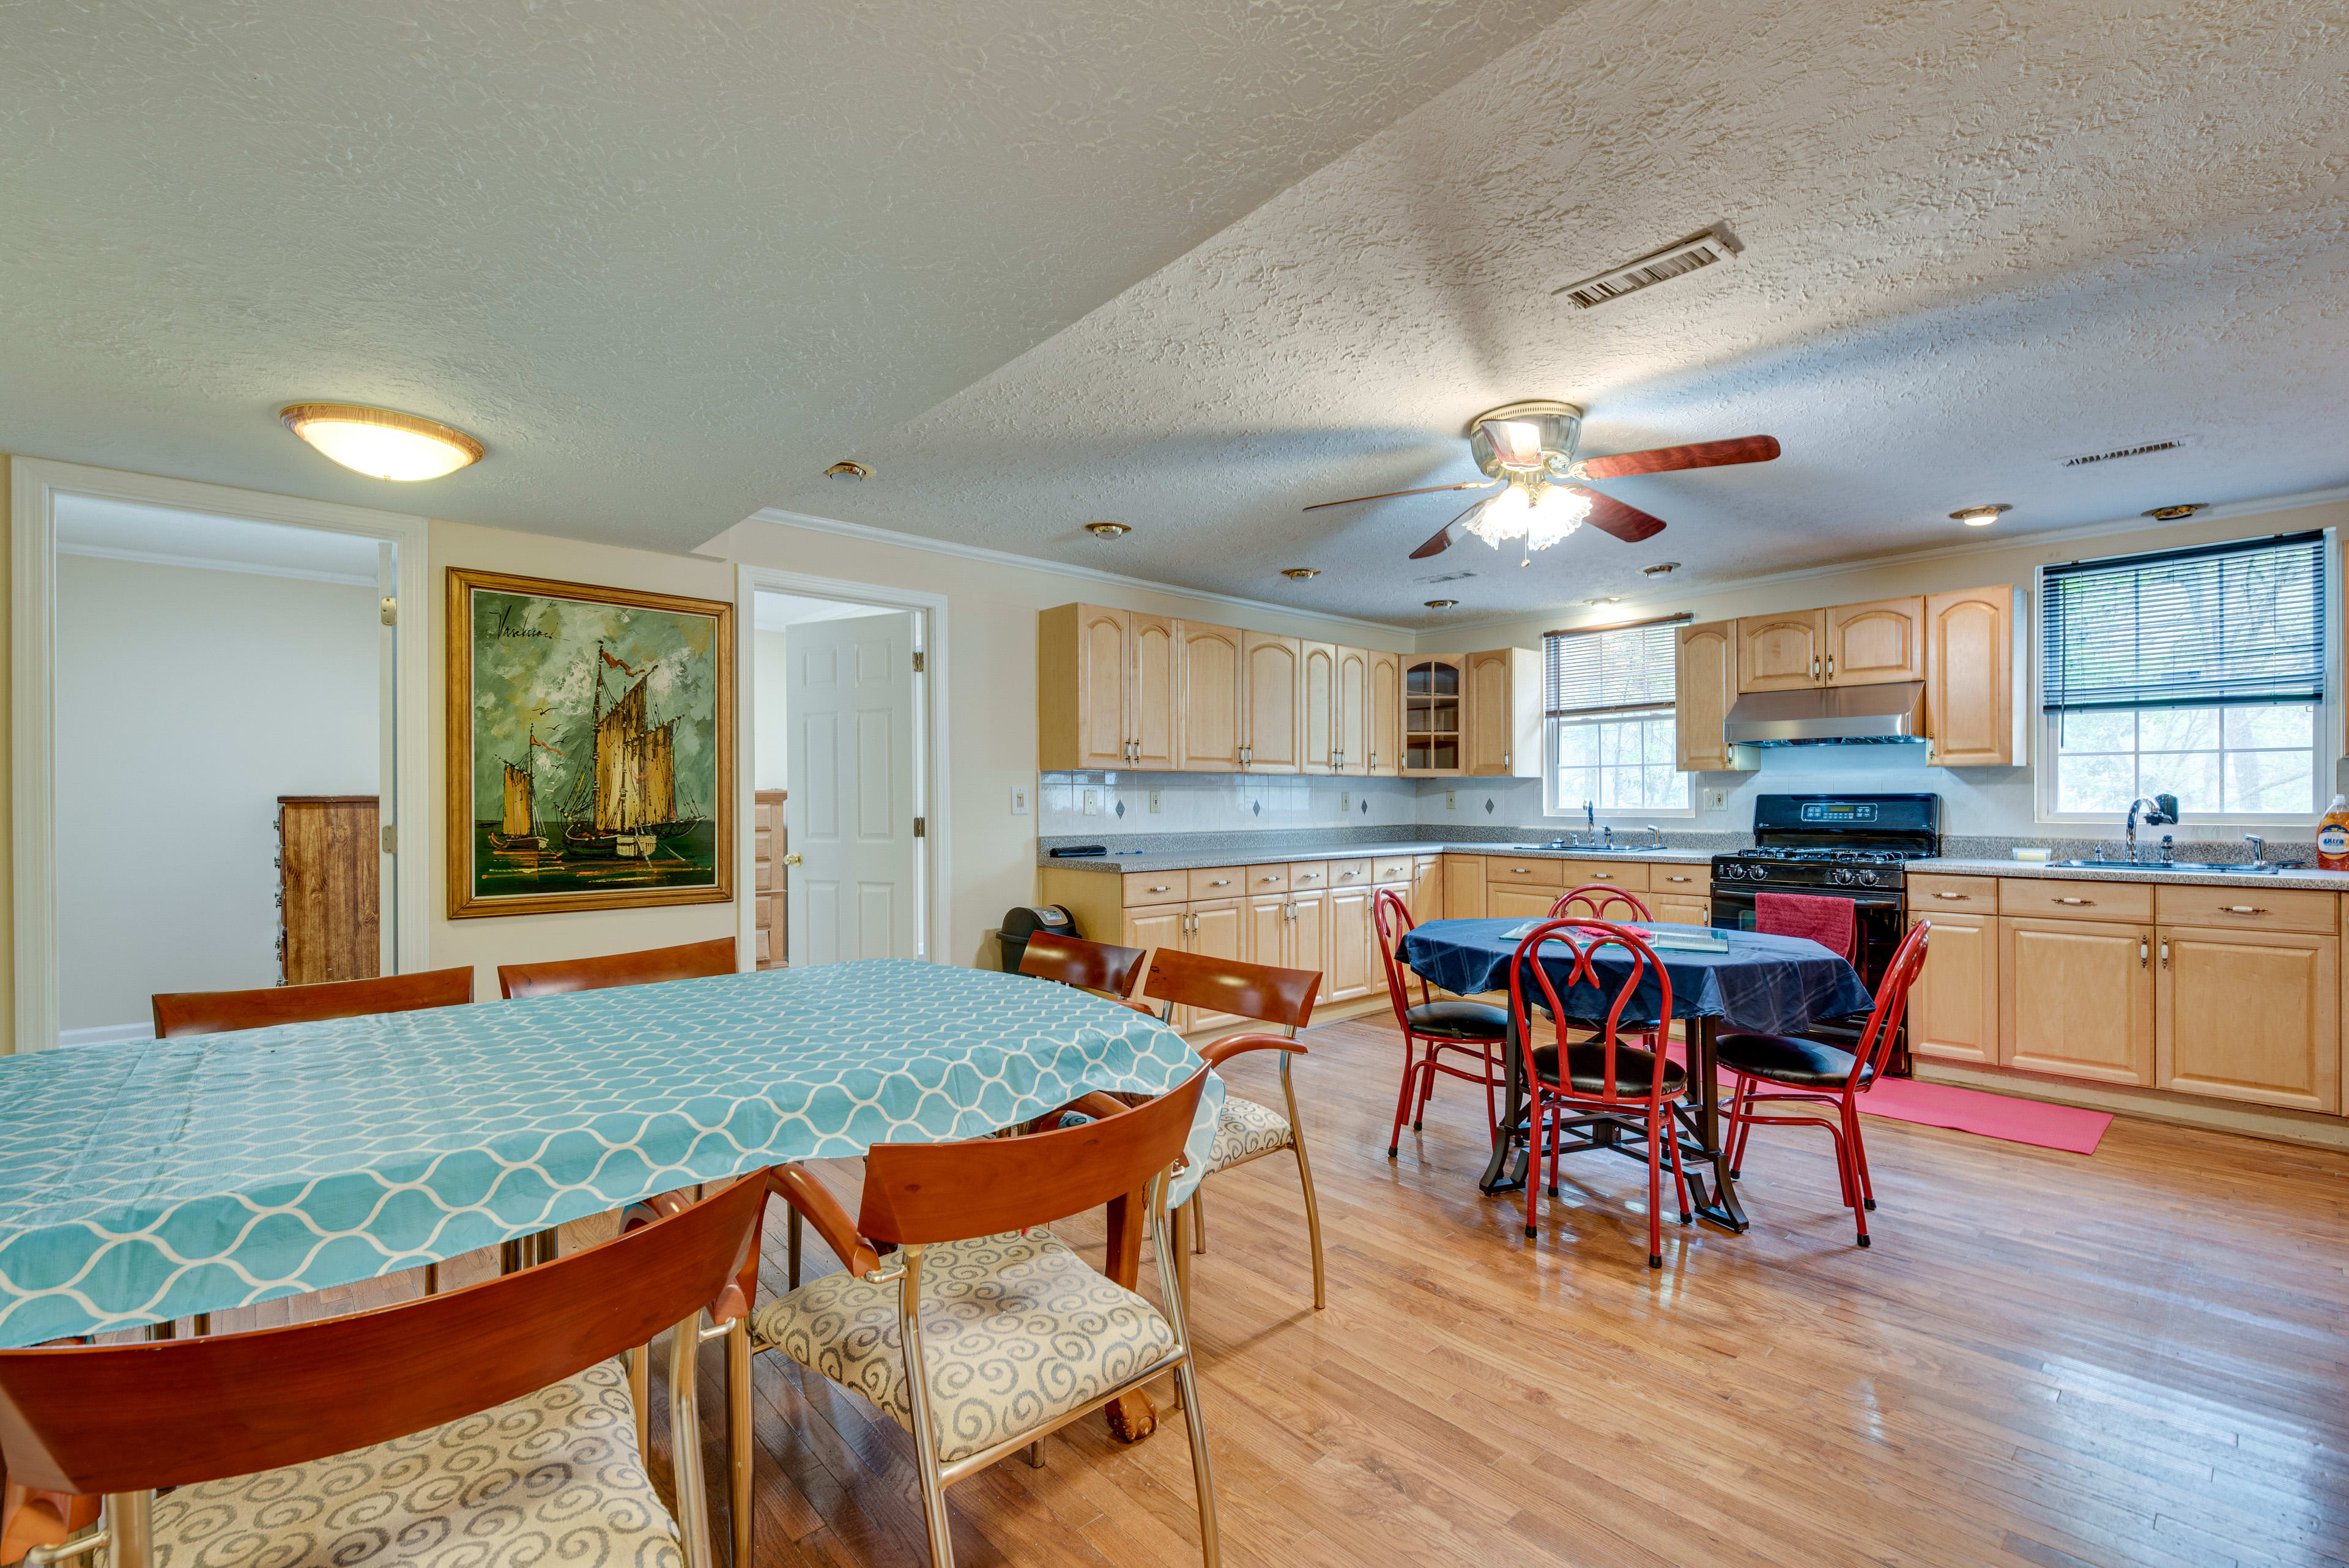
384,1435
693,960
1785,1070
1089,966
1247,1130
1599,901
1472,1029
1578,1085
981,1334
183,1013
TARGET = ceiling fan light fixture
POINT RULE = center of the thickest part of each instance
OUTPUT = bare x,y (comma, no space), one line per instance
1980,516
1109,530
380,442
1300,574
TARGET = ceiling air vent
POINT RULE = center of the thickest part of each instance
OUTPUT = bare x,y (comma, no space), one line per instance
1700,249
2122,452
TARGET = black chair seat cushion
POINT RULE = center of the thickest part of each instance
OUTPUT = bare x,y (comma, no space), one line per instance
1784,1059
1472,1021
1586,1066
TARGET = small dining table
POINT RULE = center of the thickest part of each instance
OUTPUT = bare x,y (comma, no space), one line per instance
1771,985
158,1179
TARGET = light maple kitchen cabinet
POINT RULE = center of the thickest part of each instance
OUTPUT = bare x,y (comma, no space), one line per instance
1783,652
1351,712
1973,658
1463,888
1680,895
1953,1006
1212,703
1426,895
1317,709
1871,644
1155,710
1084,688
1272,679
2249,1014
2075,998
1434,700
1503,713
1382,730
1705,681
1216,932
1347,973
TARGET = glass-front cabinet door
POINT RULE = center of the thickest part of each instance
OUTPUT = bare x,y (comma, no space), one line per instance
1434,703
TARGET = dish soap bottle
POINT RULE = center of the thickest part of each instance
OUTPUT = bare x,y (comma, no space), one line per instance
2333,836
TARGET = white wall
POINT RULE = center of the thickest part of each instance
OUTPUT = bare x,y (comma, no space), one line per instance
769,754
187,701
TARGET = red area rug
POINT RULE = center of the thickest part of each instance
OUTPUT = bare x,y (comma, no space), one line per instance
2035,1122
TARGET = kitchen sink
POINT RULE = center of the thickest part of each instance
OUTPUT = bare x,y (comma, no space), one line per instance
2225,867
1593,848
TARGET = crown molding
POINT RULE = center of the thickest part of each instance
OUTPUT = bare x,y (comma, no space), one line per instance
871,535
210,564
2136,523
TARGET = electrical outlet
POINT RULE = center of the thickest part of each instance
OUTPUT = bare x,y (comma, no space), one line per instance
1092,802
1154,800
1018,799
1345,800
1716,800
1452,800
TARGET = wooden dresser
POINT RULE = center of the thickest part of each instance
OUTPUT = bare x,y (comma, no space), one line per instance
328,903
768,875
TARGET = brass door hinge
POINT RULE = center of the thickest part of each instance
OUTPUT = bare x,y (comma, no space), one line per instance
390,611
918,663
921,827
392,838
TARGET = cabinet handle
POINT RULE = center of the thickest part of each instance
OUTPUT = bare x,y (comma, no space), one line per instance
2141,954
2165,954
1831,667
1602,876
1815,667
1221,882
1268,878
1520,871
1960,898
2243,908
1676,878
2082,903
1160,888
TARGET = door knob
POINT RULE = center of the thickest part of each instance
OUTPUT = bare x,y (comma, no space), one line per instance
792,860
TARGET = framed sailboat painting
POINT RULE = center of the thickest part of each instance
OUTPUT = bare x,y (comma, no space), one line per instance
591,747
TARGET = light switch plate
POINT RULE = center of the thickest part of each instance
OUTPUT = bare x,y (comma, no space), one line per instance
1452,800
1018,799
1716,800
1154,800
1092,802
1345,800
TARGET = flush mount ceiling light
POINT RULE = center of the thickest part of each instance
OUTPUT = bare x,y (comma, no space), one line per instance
848,469
1660,568
1979,516
380,444
1441,604
1300,574
1108,530
2178,514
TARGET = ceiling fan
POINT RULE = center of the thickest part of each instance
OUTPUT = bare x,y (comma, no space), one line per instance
1527,449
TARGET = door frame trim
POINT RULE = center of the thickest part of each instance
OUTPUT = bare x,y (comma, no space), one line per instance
935,891
34,485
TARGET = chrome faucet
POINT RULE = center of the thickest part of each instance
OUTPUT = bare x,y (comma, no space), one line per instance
2163,809
1607,837
2259,848
1659,832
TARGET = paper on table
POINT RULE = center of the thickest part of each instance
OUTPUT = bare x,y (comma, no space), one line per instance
1679,939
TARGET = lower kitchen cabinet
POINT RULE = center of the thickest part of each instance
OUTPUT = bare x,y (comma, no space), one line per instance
2248,1015
1680,895
1503,903
1348,972
1953,1006
1463,888
2076,999
1426,895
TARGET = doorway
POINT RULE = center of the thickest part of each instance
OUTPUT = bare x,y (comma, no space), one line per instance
843,856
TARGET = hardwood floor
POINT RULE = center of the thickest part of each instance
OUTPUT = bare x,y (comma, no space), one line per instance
2137,1358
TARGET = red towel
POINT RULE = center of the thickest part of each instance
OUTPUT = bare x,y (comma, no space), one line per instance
1827,921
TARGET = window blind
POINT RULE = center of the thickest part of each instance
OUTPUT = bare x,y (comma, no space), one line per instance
2222,625
1620,670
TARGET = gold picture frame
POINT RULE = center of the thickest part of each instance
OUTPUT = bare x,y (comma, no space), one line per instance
590,747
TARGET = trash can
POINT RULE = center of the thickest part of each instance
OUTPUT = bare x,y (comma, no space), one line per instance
1019,924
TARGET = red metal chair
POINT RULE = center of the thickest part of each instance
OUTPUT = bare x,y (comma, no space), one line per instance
1452,1024
1807,1071
1604,1081
1592,900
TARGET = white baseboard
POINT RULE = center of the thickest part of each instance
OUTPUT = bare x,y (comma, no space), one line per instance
106,1034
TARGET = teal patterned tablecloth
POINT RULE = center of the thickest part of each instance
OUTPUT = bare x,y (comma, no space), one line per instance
160,1179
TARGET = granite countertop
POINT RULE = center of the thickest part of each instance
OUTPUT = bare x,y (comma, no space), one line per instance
1351,849
2319,881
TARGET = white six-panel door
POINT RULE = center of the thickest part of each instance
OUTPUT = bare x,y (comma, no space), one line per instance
849,816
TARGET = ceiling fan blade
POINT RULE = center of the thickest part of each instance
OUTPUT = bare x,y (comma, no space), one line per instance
1423,490
1443,540
1667,459
1609,516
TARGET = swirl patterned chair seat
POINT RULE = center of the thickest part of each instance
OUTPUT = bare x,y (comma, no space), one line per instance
486,1425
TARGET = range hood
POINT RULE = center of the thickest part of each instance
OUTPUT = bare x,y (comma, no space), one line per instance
1828,715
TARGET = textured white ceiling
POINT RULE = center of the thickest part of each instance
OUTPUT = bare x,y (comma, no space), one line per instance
1981,238
661,259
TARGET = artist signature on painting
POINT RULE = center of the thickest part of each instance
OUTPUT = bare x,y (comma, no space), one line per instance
506,627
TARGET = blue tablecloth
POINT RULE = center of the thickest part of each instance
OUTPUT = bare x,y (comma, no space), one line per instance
1776,985
160,1179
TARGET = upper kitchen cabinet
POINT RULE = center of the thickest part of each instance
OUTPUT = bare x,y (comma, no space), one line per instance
1211,701
1871,644
1156,712
1352,713
1781,652
1383,729
1273,678
1434,700
1973,660
1705,679
1084,688
1504,714
1317,708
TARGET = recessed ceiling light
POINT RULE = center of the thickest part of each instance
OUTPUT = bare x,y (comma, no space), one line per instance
1980,516
1660,568
1108,530
2177,514
1441,604
1615,599
1299,574
380,444
847,469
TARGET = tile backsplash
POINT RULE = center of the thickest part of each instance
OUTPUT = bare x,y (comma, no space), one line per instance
1218,803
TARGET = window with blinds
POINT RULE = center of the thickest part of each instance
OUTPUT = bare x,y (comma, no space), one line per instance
2201,673
1608,695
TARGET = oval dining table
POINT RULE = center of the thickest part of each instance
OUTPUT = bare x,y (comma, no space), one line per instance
1772,985
153,1180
